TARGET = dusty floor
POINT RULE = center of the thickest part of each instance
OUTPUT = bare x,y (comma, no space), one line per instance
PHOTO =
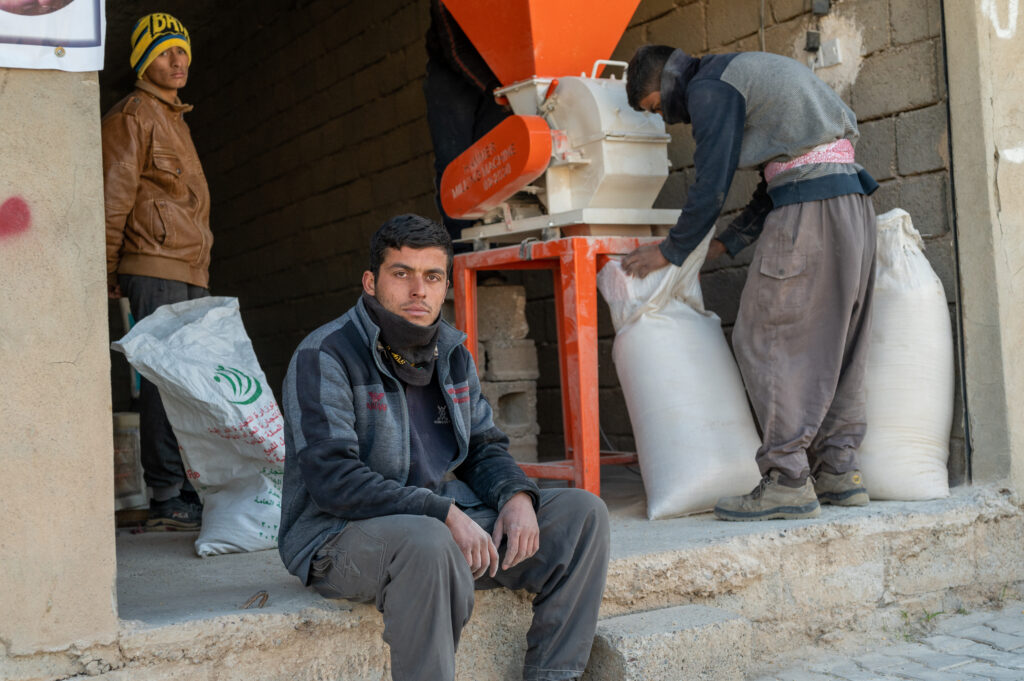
160,580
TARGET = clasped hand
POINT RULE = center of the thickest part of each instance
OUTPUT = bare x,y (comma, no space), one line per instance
516,522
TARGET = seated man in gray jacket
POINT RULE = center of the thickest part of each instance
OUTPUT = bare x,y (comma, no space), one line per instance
399,489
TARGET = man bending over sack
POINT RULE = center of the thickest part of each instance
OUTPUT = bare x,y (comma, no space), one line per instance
805,313
399,489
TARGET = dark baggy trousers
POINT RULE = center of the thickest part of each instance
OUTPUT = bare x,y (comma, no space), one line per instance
161,461
415,573
802,333
458,115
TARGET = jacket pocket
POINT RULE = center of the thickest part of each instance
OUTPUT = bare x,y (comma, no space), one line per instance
168,164
178,235
158,225
169,176
784,281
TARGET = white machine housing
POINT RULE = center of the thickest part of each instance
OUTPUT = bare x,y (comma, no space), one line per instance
608,161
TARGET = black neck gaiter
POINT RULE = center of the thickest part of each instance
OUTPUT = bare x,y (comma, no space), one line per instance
409,349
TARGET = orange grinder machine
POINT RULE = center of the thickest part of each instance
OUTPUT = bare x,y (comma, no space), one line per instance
574,159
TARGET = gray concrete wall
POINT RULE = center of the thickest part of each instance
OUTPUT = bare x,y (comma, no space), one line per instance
986,46
56,449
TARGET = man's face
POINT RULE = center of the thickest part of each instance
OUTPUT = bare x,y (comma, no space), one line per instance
411,283
169,71
652,102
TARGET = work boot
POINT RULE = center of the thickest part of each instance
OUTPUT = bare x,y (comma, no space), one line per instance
841,489
181,513
771,500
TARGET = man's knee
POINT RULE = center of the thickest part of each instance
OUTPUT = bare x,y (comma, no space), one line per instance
580,500
427,545
582,507
427,565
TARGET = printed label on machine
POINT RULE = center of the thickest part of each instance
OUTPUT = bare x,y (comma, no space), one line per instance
509,157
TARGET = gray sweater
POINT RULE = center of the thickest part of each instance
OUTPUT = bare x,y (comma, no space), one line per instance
747,110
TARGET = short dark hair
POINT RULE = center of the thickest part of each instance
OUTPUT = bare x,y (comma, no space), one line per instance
414,231
643,75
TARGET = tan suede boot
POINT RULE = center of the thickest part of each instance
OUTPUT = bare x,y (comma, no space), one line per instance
841,489
770,500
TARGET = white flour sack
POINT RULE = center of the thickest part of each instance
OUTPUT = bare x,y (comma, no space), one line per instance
909,374
228,425
694,432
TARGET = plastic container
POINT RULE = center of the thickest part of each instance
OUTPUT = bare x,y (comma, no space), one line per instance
129,485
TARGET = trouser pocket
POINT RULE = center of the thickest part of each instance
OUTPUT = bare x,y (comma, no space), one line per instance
348,566
784,282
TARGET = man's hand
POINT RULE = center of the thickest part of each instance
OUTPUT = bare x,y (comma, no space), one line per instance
113,291
715,250
517,521
476,546
644,260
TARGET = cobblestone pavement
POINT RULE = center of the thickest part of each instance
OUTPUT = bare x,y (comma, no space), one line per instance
963,647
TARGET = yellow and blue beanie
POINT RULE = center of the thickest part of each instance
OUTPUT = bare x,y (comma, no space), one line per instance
152,35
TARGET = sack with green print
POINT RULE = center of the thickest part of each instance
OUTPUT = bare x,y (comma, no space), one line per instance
229,428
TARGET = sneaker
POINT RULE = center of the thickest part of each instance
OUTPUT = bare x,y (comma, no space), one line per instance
841,489
191,497
771,500
177,513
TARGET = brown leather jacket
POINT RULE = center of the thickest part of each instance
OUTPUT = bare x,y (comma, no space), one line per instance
157,201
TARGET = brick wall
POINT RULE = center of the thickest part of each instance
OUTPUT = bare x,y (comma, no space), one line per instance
311,125
310,122
332,141
892,75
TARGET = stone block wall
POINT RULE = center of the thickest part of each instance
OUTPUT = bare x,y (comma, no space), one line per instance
508,366
335,143
311,124
893,76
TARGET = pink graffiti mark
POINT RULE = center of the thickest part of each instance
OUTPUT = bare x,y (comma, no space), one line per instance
15,217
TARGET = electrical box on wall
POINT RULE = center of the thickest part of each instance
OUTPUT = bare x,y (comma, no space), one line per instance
830,54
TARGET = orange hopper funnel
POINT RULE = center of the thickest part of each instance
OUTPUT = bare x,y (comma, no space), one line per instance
548,38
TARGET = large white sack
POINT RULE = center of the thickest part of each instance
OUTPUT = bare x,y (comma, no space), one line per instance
695,435
909,374
229,427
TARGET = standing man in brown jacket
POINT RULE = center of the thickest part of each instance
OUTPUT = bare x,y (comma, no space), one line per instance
158,232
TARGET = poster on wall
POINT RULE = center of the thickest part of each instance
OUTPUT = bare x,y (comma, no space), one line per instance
52,34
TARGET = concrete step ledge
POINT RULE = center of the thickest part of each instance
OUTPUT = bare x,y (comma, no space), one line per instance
795,582
685,642
851,570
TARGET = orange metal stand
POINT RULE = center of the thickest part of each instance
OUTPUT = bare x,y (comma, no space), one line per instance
574,262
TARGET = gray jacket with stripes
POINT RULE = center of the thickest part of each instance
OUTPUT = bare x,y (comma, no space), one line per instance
347,439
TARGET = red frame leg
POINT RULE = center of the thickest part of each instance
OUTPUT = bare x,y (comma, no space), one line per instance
574,263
